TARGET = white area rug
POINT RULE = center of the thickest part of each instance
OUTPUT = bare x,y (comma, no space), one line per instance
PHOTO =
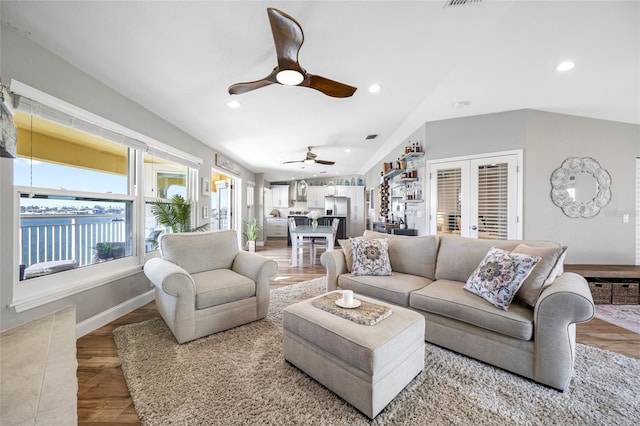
625,316
239,377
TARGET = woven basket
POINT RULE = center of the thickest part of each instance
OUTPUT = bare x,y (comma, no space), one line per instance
625,294
601,292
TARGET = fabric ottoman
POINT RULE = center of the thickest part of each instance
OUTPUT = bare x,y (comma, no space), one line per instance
366,365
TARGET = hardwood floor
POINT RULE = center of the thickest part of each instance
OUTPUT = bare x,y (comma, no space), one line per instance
103,397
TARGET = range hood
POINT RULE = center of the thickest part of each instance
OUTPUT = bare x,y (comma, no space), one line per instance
298,190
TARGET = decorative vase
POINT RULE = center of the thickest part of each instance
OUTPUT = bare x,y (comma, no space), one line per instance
251,246
314,223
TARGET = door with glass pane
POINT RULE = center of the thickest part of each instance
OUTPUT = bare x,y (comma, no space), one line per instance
476,198
221,206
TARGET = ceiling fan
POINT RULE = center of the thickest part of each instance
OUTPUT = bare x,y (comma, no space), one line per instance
311,159
288,38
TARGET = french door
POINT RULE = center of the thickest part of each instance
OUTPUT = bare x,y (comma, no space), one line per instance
476,197
222,206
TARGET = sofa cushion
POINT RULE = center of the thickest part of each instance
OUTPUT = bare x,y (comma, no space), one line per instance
459,256
542,275
200,251
221,286
395,289
411,255
370,257
500,275
449,299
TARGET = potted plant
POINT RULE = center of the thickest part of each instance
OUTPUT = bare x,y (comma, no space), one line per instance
252,233
175,215
104,251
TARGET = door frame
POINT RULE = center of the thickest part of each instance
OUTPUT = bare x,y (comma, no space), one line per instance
468,159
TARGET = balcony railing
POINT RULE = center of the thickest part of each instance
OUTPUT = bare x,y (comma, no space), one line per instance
46,238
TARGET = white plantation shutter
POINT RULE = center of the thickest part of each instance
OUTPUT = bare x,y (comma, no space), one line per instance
493,184
449,187
476,197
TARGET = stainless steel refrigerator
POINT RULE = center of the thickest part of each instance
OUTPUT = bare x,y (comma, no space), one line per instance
339,206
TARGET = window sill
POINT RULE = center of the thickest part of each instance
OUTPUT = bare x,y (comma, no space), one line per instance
33,299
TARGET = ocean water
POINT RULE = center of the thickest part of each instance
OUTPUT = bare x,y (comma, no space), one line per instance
48,238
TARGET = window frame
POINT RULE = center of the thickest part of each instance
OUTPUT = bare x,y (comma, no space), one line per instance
46,289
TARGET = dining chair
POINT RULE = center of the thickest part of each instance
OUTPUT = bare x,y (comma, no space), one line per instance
303,242
322,242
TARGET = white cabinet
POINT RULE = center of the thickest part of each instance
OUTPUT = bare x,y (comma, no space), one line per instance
276,227
280,196
357,211
315,197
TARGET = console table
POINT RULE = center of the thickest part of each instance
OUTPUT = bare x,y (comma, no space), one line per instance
611,284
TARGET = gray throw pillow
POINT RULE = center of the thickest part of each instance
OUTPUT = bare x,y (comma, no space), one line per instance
543,273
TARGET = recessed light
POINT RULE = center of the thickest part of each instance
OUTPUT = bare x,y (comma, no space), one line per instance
233,104
374,88
565,66
347,150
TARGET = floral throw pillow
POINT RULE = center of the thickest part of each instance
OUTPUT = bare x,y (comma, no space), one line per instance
500,275
370,257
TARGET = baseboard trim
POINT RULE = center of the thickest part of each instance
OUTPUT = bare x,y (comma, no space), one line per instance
105,317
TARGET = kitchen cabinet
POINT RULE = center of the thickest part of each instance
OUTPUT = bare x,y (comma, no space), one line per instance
276,227
280,196
315,197
357,211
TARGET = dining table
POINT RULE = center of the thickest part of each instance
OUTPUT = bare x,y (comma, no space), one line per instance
302,231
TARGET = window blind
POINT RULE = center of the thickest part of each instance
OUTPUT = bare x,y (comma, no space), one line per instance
449,206
493,201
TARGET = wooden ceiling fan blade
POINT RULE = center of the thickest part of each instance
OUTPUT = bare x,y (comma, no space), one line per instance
297,161
240,88
328,87
288,38
326,163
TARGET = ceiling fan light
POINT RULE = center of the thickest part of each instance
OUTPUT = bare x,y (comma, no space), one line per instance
309,161
289,77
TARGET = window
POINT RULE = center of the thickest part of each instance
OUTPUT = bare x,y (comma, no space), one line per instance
82,184
163,179
75,206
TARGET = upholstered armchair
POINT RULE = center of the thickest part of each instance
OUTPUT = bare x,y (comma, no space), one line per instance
206,284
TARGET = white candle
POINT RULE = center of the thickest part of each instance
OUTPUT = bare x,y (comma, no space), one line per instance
347,297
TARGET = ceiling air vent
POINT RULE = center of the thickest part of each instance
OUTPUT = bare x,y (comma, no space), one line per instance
452,3
371,137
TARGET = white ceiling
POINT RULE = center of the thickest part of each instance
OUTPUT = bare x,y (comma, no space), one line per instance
177,59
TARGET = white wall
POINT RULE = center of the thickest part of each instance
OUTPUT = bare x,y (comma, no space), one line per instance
35,66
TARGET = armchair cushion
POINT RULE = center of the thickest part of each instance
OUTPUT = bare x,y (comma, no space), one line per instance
221,286
200,251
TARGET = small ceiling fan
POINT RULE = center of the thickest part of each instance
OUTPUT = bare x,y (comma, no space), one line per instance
311,159
288,38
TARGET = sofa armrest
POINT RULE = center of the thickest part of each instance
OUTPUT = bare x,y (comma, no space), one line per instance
260,269
170,278
336,265
566,302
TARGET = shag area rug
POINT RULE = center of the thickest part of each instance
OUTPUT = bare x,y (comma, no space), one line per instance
625,316
239,377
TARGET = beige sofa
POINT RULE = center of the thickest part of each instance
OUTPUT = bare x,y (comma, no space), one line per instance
428,276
